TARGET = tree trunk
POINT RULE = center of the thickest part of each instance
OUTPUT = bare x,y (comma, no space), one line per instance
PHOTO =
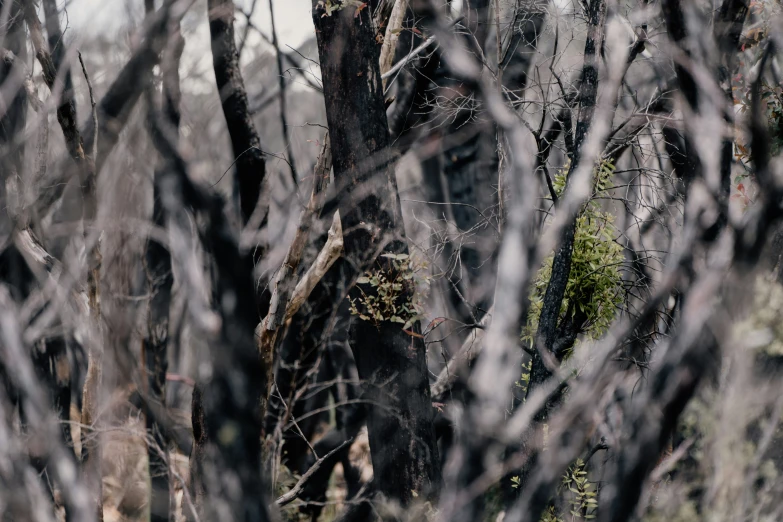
391,362
245,142
160,281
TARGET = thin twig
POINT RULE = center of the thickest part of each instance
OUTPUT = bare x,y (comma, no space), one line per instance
281,95
94,108
294,493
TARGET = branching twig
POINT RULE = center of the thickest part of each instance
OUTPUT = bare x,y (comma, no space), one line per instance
294,493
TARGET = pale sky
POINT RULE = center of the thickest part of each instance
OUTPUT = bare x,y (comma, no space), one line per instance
292,17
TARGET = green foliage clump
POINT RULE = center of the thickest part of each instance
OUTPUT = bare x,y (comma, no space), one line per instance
583,500
773,96
579,494
330,6
391,293
763,322
684,512
524,379
550,515
595,280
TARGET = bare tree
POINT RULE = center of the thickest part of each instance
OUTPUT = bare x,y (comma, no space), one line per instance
537,277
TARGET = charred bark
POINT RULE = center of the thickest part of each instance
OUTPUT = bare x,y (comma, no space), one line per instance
49,359
226,461
390,362
159,282
550,328
52,58
555,335
349,421
245,142
519,53
15,96
471,167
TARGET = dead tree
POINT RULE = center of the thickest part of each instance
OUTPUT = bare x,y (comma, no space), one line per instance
160,278
391,361
226,459
245,142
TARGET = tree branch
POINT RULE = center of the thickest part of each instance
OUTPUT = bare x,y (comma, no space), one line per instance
294,492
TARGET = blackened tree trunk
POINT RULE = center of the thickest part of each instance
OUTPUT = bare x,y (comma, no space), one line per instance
470,174
471,166
14,272
522,45
390,361
160,280
57,76
550,328
226,458
555,335
232,400
15,96
245,142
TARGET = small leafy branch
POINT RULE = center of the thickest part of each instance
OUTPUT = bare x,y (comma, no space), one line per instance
330,6
392,293
524,380
582,497
595,281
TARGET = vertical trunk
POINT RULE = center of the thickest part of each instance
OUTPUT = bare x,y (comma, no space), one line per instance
297,352
227,411
471,178
552,331
13,270
471,168
230,442
50,357
14,94
160,281
198,453
246,144
91,440
549,320
226,472
281,85
390,362
523,43
53,64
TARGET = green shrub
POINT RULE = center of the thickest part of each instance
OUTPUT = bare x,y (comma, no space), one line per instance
392,291
595,281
